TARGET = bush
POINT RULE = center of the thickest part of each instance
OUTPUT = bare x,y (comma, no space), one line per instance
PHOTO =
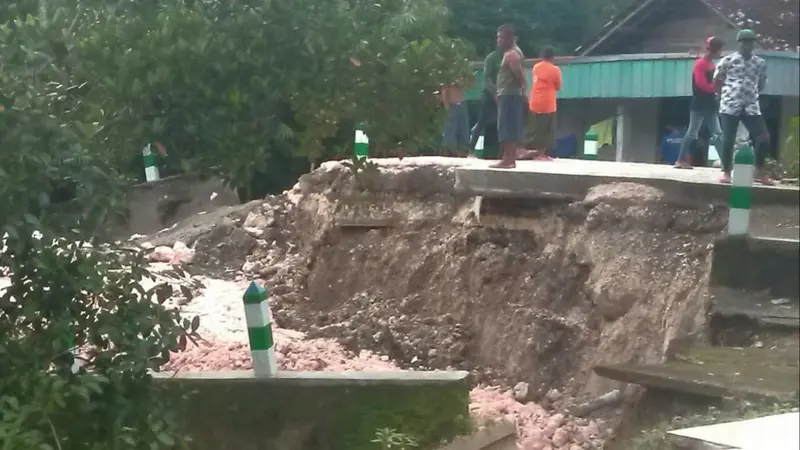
235,89
790,157
70,296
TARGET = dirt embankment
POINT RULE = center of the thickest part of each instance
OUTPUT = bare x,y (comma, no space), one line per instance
409,272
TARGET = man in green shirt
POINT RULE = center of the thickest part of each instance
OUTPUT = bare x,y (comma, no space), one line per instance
488,114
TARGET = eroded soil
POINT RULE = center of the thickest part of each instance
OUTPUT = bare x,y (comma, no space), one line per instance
406,274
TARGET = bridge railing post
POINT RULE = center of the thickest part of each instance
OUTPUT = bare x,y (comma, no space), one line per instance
259,331
741,192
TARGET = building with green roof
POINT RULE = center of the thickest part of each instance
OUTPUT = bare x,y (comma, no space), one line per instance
637,72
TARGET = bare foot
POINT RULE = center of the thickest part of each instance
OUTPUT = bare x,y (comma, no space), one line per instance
504,165
683,165
543,157
527,154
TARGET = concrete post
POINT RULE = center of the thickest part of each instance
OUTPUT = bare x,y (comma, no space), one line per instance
150,168
741,192
622,128
590,145
74,351
259,331
479,151
361,143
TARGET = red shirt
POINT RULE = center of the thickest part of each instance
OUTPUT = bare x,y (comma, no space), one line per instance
703,85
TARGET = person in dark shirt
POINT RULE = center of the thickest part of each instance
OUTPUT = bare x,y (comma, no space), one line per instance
703,108
488,113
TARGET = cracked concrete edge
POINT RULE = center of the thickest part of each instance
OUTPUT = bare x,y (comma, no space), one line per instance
512,184
686,443
496,436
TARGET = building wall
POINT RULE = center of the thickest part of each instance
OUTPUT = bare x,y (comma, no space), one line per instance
641,133
642,136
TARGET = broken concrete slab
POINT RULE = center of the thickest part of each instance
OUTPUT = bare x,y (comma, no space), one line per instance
717,372
575,178
158,205
776,312
757,264
777,432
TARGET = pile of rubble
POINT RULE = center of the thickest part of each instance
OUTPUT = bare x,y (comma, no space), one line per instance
224,347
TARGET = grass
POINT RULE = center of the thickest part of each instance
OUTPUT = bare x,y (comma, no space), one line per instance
790,156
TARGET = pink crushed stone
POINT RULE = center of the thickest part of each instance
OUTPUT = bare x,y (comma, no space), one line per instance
293,351
536,428
225,347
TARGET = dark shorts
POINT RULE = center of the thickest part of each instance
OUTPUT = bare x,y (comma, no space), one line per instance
540,131
488,112
456,129
510,118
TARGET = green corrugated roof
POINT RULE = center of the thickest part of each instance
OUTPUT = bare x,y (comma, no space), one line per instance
650,76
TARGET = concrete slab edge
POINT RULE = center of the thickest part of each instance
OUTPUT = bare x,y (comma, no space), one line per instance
525,184
627,374
394,377
487,437
685,443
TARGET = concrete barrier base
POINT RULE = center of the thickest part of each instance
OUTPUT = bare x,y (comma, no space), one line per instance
495,436
318,410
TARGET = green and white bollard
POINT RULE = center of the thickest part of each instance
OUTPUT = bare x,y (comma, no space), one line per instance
75,367
590,145
259,331
361,143
479,150
741,192
713,155
150,166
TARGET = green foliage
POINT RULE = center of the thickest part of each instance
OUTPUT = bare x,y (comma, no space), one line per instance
563,24
231,88
790,156
388,439
68,294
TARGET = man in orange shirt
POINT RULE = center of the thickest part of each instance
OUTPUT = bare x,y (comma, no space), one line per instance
541,129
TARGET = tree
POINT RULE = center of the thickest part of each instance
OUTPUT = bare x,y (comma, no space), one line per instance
70,295
563,24
229,88
232,87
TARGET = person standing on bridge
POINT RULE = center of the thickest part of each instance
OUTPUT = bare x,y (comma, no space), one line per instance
456,131
511,86
488,113
703,109
541,130
740,78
